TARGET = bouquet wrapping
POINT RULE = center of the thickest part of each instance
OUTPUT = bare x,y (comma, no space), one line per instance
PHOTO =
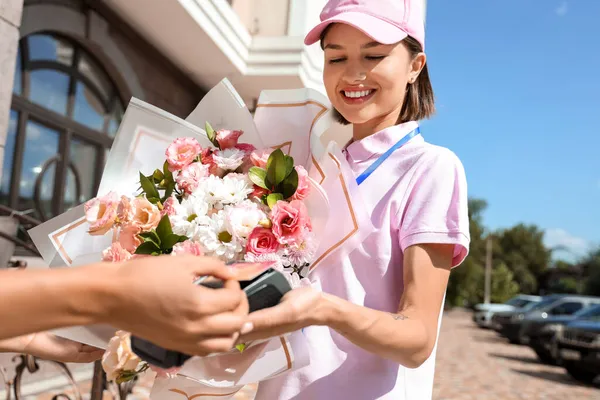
274,187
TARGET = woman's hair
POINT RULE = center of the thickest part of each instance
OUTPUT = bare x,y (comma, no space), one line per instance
418,100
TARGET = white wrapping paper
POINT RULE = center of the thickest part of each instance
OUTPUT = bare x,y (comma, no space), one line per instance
297,121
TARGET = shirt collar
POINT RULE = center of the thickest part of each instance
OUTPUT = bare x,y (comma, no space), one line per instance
379,142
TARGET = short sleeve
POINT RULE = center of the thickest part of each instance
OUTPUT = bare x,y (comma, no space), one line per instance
436,208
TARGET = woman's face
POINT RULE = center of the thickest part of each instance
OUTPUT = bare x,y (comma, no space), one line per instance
366,80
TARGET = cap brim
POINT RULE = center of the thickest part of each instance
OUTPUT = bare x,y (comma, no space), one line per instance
377,29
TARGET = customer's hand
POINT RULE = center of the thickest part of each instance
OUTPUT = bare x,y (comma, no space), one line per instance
157,301
50,347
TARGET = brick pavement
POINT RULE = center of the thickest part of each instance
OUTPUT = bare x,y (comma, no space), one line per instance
472,364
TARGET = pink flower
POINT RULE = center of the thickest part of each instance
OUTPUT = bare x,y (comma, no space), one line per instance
187,248
260,157
289,221
101,213
259,192
189,178
128,238
144,215
262,241
303,184
115,253
182,152
124,210
228,139
245,147
213,168
169,207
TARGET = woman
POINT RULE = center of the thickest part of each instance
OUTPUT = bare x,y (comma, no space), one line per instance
372,320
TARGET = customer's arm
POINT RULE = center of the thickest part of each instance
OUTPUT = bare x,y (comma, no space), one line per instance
152,297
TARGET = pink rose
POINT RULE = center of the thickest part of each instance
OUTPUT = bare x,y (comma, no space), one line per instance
303,184
115,253
259,192
124,210
260,157
182,152
228,139
289,221
213,168
262,241
245,147
169,207
189,177
144,215
101,213
187,248
128,238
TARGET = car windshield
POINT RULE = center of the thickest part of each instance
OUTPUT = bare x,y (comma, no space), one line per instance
589,313
518,303
541,304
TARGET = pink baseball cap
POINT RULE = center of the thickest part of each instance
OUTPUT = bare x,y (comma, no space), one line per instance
385,21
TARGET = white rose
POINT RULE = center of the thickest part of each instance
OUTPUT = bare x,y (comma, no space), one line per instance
243,218
119,357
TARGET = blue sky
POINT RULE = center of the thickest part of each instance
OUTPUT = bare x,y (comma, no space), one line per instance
518,95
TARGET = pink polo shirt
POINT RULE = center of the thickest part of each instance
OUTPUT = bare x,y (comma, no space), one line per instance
418,195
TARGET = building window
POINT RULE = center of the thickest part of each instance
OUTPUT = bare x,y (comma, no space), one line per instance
64,115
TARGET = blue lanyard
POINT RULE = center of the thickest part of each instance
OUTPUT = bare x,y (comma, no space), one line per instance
361,178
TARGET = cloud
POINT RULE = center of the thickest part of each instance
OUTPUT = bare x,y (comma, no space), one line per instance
562,9
574,246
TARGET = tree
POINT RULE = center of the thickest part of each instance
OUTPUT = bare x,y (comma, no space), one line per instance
504,286
590,268
523,251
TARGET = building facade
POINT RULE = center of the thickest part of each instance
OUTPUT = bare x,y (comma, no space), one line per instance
68,69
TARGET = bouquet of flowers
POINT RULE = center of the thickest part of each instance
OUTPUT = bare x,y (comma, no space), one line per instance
230,201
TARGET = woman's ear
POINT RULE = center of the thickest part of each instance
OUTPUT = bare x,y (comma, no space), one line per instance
416,66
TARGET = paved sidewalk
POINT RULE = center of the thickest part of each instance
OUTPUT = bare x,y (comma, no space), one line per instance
472,364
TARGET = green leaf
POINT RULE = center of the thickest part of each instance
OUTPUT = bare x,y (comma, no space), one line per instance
167,174
273,198
210,132
164,228
241,347
168,192
289,185
150,237
289,165
158,175
148,248
276,167
171,240
257,175
153,200
148,187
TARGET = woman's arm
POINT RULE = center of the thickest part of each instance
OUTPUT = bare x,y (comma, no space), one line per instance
407,337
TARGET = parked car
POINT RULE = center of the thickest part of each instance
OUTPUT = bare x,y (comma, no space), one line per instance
543,332
557,305
483,312
504,321
579,349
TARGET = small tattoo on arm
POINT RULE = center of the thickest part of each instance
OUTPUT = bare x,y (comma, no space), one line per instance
399,317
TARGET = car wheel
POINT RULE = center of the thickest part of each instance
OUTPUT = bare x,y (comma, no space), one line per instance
545,357
580,374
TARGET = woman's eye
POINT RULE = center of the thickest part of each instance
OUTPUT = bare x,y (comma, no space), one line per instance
375,57
336,60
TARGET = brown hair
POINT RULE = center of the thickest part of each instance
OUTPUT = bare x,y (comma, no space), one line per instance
419,101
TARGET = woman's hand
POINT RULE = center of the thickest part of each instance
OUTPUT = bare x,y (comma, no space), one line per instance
50,347
298,308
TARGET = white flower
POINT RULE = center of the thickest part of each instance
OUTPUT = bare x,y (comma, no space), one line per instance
217,240
119,357
229,159
236,188
299,254
243,218
189,214
211,191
